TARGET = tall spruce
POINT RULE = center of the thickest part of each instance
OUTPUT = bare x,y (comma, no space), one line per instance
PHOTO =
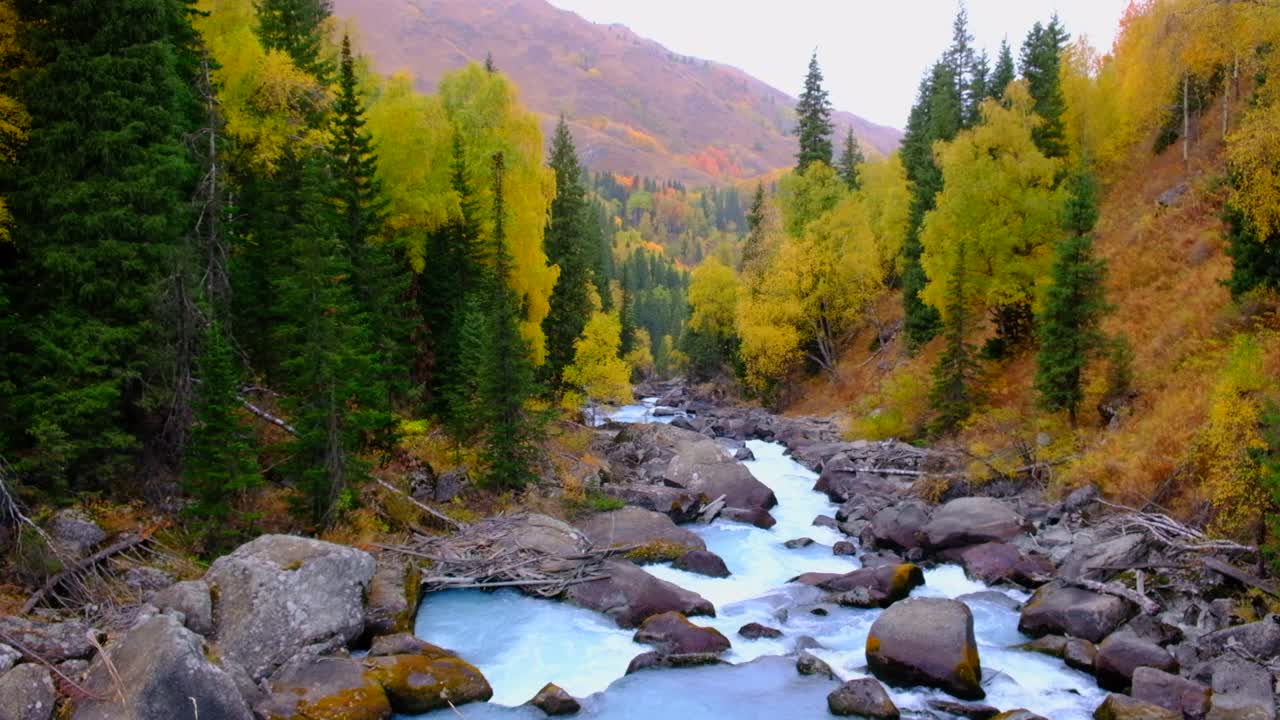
753,246
296,28
1074,305
850,163
570,246
1041,67
1004,72
813,116
954,377
962,60
102,201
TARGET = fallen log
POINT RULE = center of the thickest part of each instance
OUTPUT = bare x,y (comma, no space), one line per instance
87,564
1146,604
455,524
1223,568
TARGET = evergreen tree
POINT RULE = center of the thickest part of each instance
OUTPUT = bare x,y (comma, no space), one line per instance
489,64
1074,306
296,28
1255,261
1004,72
568,245
464,412
850,164
627,317
102,200
220,462
953,394
506,381
980,88
962,62
753,249
1041,67
813,114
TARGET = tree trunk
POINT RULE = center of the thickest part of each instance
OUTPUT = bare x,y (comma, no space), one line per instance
1186,118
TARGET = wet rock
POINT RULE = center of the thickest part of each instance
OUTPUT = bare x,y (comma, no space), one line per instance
819,611
809,664
652,660
690,461
756,516
991,597
404,644
672,634
901,526
629,595
702,562
191,598
27,693
927,641
1080,654
1123,707
884,585
755,631
554,701
54,642
797,543
971,521
280,595
1091,560
1060,609
1119,655
864,698
163,669
637,526
880,559
324,688
393,596
1052,645
743,454
428,680
74,533
1187,697
993,563
825,521
844,547
964,710
1019,714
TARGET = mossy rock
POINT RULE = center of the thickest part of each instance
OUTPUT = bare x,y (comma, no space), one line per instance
658,551
422,683
325,689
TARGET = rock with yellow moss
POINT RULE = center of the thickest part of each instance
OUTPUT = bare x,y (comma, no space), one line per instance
422,683
927,641
324,688
881,586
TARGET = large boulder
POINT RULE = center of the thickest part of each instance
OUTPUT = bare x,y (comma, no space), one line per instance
1123,707
702,562
972,521
881,586
74,533
1172,692
752,516
629,595
993,563
1098,560
1242,690
279,596
633,526
901,526
672,634
393,596
1121,654
427,680
54,642
192,599
679,505
1061,609
164,673
27,693
864,698
697,470
1260,639
927,641
324,688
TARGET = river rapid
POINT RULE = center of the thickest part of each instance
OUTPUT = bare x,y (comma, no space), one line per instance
521,643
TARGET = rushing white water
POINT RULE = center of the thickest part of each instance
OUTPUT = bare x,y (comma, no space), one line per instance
521,643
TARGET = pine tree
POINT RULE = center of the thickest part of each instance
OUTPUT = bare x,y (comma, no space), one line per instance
1074,305
813,114
463,407
980,88
850,163
296,28
1255,261
568,245
1041,67
1004,72
753,249
953,395
489,65
220,462
102,202
961,60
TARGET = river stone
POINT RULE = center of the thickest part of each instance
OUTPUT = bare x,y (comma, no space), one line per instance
680,505
1123,707
797,543
54,642
927,641
1061,609
1080,654
809,664
429,680
1151,629
630,526
27,693
990,597
393,596
1053,645
993,563
702,562
885,585
901,526
1119,655
192,599
972,521
672,634
165,674
404,644
553,700
1019,714
324,688
1172,692
971,711
864,698
755,631
844,547
654,659
629,595
752,516
281,595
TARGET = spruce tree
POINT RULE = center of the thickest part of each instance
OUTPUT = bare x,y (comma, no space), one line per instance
1255,260
1074,306
489,65
953,395
980,88
813,115
753,249
1041,67
1004,72
962,61
569,245
220,460
850,164
296,28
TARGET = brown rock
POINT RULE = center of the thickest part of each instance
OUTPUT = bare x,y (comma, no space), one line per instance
324,688
702,562
1119,655
636,526
629,595
1080,654
1061,609
553,700
422,683
755,631
1123,707
927,641
1172,692
884,585
864,698
393,596
672,634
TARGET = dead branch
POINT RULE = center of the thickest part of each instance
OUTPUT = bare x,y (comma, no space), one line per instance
457,525
1173,534
13,642
1148,606
87,565
1240,576
267,416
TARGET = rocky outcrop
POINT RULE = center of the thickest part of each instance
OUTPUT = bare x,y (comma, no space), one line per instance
927,641
27,693
671,633
864,698
629,595
324,688
554,701
633,526
972,521
192,599
702,562
393,596
164,672
279,596
1120,654
1186,697
1123,707
1061,609
875,587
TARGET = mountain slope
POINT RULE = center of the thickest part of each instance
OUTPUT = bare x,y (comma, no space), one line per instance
636,107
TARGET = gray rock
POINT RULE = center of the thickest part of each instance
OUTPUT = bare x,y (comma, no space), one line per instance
991,597
702,562
8,657
993,563
451,484
279,596
74,532
1172,692
192,599
637,526
883,585
901,526
864,698
1261,639
753,516
393,596
1123,707
1060,609
1090,560
678,504
965,710
797,543
1080,654
1019,714
1241,691
1151,629
743,455
27,693
755,631
629,595
809,664
54,642
844,547
927,641
1119,655
651,660
165,674
554,701
971,521
147,578
1170,197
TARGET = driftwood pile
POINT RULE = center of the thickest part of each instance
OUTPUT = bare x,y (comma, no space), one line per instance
503,551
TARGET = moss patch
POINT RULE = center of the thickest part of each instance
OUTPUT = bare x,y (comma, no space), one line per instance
658,551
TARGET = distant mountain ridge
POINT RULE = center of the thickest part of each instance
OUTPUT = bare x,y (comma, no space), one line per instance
635,107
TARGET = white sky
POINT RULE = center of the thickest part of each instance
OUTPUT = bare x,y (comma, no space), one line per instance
873,52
